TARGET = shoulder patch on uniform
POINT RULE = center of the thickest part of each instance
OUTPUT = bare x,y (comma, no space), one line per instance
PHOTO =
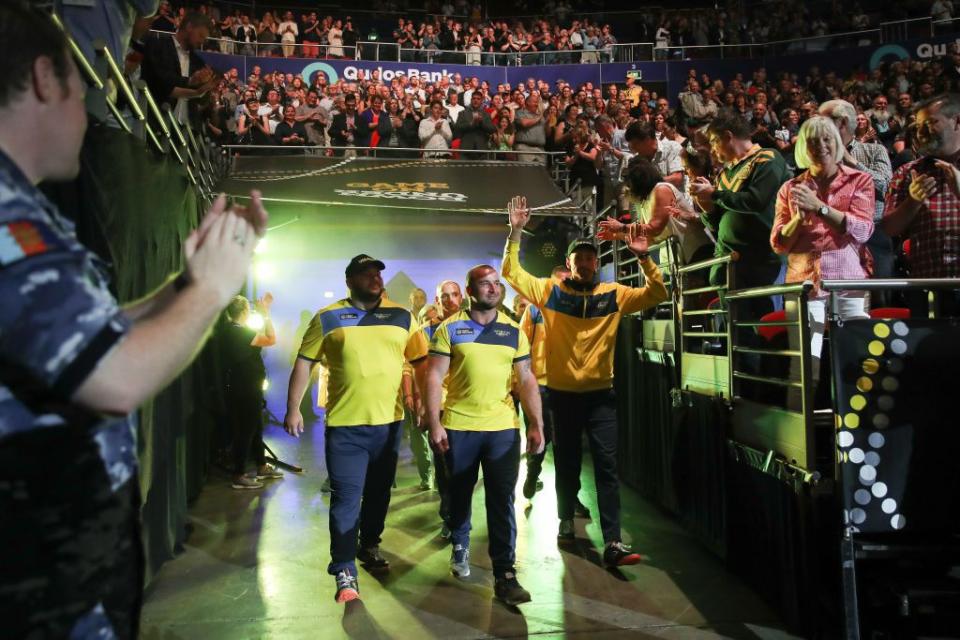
21,239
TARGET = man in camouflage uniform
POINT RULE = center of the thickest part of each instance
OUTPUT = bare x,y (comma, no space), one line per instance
75,364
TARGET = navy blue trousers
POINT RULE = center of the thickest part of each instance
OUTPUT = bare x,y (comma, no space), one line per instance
498,452
362,462
593,412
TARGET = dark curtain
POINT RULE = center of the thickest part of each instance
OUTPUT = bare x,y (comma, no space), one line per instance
135,208
673,455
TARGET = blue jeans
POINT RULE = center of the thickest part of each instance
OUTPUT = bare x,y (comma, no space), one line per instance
499,454
361,462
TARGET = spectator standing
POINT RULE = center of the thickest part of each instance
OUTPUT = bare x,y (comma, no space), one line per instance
267,36
397,128
314,119
289,30
244,374
872,159
739,205
474,126
823,218
923,201
172,69
347,127
335,40
530,134
665,154
246,35
582,158
435,134
311,36
693,104
290,132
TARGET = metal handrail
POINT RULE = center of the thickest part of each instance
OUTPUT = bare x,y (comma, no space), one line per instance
890,283
417,149
703,264
118,77
773,290
78,56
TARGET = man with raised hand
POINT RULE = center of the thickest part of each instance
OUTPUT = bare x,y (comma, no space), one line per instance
364,341
478,351
581,316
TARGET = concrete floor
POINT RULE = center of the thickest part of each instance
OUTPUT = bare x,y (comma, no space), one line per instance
255,567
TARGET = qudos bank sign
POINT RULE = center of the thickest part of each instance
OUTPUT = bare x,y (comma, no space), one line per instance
353,72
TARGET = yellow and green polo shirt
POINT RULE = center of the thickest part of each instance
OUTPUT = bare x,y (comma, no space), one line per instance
481,369
364,352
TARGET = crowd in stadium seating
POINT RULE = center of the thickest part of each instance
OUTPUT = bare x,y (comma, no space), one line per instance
776,107
460,32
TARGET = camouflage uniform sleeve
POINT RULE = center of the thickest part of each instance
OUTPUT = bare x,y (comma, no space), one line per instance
58,318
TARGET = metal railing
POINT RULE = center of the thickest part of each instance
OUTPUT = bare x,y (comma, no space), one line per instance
138,114
932,286
708,324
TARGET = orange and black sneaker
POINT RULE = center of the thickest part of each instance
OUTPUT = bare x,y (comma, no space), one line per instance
617,554
347,587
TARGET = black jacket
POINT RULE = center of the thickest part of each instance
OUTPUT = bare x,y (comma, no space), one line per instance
338,130
161,68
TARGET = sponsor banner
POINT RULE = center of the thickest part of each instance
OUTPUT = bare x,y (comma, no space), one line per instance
674,72
436,185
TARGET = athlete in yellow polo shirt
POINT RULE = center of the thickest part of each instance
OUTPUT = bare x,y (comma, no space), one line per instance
581,317
364,341
479,351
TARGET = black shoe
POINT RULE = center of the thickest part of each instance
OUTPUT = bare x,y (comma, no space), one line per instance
617,554
566,533
508,591
372,558
581,510
530,487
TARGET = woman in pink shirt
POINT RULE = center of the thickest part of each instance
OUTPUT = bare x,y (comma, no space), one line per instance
823,218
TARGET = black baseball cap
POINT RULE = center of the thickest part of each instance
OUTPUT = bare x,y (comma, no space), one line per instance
361,262
582,243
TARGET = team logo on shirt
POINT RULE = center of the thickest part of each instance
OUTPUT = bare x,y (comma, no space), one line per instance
381,316
467,331
501,333
348,316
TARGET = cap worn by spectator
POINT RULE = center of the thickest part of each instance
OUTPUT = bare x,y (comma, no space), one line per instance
582,243
361,262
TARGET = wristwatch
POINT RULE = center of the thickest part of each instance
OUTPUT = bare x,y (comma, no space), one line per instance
823,210
643,256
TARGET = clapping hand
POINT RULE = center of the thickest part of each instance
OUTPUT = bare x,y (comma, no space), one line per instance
804,198
701,188
610,229
263,304
952,175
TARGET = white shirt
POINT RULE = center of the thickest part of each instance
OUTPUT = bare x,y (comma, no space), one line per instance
454,111
288,36
432,139
180,110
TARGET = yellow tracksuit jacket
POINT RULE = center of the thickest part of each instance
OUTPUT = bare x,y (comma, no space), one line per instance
581,325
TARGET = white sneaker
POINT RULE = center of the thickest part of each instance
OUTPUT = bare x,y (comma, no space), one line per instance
246,482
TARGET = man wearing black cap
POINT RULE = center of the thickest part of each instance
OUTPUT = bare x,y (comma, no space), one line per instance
364,341
581,317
